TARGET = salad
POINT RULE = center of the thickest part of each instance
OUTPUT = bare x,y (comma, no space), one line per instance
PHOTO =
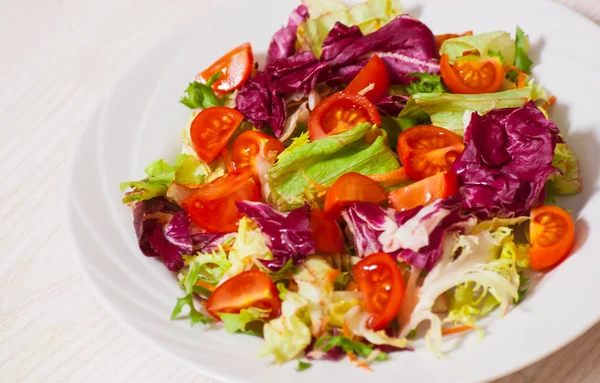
373,184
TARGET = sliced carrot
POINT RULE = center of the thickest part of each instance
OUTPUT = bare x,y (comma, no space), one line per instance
454,330
332,275
205,285
549,103
393,178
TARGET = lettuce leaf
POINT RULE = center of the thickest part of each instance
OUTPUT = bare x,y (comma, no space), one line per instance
569,181
449,110
522,61
201,95
208,267
368,16
322,162
239,322
187,170
194,315
498,44
479,262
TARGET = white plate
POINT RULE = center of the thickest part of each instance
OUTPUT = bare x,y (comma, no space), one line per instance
141,120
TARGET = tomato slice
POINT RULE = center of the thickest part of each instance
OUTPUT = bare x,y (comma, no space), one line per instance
327,233
235,68
426,150
252,288
256,150
472,75
340,112
439,39
375,72
212,129
351,188
552,233
424,192
212,206
380,281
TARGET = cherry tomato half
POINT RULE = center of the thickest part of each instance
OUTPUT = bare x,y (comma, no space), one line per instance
256,150
212,129
380,281
235,68
252,288
212,206
426,150
439,39
552,233
424,192
327,233
375,72
472,75
340,112
351,188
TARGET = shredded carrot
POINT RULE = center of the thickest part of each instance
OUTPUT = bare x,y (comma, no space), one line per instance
520,76
549,103
356,362
346,330
454,330
314,183
205,285
227,248
351,286
227,159
332,275
395,177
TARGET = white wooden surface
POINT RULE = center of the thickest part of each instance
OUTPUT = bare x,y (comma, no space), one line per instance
57,59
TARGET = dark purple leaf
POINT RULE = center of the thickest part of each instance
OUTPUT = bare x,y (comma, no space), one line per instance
405,44
414,236
284,41
289,235
295,74
204,242
169,242
392,105
507,161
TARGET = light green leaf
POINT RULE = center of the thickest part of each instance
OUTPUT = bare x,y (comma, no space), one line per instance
208,267
194,315
201,95
190,170
569,181
303,173
238,322
160,176
368,16
448,110
497,44
303,366
426,83
522,61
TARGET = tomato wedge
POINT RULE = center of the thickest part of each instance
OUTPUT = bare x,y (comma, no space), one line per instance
252,288
256,150
327,233
212,206
212,129
424,192
375,73
552,233
439,39
235,68
426,150
340,112
472,75
351,188
380,281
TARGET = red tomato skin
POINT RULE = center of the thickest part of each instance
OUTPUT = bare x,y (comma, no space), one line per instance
424,192
326,231
251,288
456,84
351,188
235,66
212,129
212,206
370,274
376,73
552,235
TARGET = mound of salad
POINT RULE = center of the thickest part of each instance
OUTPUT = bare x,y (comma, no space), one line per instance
374,183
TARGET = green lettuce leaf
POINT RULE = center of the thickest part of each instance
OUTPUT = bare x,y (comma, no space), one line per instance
201,95
194,315
249,246
569,181
239,322
160,175
496,44
450,110
305,171
368,16
208,267
522,61
303,366
427,83
348,345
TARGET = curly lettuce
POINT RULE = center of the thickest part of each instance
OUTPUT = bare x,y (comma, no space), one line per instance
497,44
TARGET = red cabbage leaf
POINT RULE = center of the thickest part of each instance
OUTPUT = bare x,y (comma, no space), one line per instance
283,44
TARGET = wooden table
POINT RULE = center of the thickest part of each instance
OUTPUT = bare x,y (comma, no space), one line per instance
57,59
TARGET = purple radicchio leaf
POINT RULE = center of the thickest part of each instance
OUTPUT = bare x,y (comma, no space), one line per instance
295,74
205,242
405,44
284,40
289,236
414,236
392,105
507,161
156,239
